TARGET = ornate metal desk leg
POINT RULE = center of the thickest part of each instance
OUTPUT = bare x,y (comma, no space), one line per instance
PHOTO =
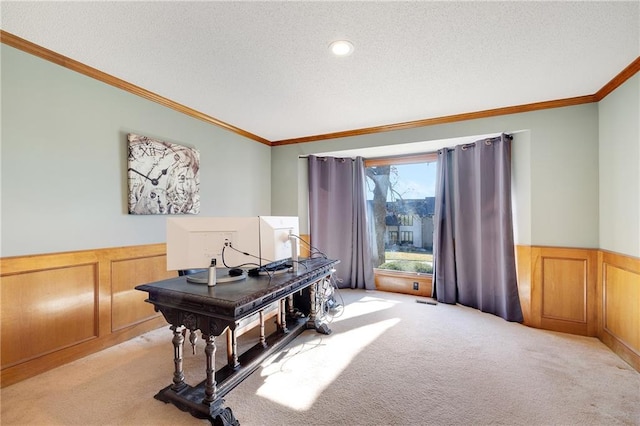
311,323
178,345
232,348
291,311
210,383
218,415
263,339
283,315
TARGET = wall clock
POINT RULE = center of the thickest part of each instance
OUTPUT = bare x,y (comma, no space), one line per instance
163,177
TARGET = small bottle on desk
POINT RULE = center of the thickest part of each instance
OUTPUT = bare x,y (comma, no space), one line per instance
212,274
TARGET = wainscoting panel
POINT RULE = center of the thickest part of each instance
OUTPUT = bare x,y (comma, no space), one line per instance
63,306
564,280
402,282
563,291
128,305
45,311
620,299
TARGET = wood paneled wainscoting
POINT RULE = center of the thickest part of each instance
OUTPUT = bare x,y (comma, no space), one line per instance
588,292
56,308
560,294
403,282
619,299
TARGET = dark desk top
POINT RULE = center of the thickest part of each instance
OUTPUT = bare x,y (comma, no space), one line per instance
236,299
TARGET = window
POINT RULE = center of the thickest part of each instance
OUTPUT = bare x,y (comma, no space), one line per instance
393,237
406,238
406,219
400,206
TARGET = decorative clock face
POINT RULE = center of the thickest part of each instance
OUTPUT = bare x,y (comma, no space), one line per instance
164,178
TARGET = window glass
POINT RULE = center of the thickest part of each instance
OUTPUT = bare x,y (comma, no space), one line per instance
400,206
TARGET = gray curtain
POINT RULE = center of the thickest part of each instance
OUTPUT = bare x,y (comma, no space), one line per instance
474,255
338,219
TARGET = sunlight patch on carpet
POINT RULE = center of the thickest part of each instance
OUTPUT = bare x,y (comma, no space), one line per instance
283,383
365,305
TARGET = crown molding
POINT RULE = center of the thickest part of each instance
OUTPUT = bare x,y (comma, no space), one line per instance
617,81
443,120
49,55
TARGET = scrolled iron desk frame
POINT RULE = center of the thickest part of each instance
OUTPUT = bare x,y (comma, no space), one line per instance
213,310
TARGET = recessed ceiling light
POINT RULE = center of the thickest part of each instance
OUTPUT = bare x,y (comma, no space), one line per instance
341,47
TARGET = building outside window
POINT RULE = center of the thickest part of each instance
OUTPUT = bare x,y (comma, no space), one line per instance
400,206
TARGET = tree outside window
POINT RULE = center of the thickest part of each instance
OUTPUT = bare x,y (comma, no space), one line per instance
400,206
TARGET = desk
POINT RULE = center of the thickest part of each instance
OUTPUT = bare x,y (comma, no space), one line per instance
230,307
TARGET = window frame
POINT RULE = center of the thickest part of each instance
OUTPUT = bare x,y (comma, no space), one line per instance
430,157
401,159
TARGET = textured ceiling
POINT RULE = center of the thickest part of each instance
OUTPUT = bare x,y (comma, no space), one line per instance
265,67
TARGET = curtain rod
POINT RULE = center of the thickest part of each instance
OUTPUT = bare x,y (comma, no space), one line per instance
324,158
505,135
487,141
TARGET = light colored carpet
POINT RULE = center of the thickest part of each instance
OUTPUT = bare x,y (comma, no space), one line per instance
389,361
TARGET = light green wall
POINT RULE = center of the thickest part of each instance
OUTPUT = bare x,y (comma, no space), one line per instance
555,169
63,174
619,116
63,161
521,187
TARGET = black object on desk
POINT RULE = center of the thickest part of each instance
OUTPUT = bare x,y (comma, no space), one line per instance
214,310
